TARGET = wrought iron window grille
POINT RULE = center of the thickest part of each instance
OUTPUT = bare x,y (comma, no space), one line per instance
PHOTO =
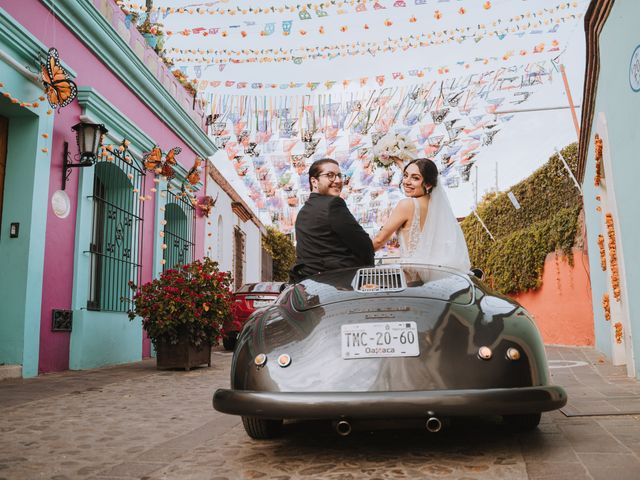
117,232
179,230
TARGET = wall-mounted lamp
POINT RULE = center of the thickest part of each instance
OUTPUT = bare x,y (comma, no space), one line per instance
88,136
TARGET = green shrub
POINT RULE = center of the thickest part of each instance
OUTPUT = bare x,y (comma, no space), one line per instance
190,301
281,249
547,221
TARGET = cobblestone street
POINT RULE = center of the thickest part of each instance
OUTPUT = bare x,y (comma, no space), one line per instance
134,421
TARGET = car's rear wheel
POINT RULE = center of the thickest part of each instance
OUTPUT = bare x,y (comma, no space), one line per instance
522,423
229,341
260,428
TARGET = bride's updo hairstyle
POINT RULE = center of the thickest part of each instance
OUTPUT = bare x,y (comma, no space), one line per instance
428,170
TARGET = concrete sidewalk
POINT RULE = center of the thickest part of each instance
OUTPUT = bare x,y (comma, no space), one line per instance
133,421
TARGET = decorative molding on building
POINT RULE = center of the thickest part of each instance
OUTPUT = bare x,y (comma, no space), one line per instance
594,21
240,209
226,187
97,109
91,27
20,49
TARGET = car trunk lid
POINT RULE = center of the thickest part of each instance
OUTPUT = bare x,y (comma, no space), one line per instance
348,285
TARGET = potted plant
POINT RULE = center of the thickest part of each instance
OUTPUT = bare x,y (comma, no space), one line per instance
183,311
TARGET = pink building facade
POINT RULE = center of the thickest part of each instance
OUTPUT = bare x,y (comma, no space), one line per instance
67,253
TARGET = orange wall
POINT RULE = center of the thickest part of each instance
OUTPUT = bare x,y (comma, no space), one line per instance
562,306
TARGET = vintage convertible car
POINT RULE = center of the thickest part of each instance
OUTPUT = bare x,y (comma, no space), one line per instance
388,342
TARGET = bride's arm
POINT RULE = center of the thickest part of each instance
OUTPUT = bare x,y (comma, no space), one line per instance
396,220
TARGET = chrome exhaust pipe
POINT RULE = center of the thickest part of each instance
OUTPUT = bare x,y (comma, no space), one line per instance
434,424
343,428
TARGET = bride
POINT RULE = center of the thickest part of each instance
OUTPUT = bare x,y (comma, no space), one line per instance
427,228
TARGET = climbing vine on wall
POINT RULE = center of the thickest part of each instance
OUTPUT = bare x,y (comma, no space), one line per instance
547,221
283,252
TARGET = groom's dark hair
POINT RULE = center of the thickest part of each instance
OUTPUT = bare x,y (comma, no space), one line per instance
315,170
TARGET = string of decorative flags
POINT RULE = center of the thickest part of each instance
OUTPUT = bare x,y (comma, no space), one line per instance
273,140
380,80
298,55
305,11
289,26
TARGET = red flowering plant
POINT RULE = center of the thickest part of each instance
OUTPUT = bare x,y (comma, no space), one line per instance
192,300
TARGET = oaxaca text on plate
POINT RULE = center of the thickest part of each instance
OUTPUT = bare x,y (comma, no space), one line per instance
381,339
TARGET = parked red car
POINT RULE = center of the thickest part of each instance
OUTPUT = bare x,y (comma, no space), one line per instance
249,298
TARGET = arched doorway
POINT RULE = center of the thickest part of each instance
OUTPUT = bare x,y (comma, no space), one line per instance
178,231
116,237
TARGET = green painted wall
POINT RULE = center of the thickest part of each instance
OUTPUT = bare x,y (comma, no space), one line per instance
100,338
104,338
621,107
25,202
25,197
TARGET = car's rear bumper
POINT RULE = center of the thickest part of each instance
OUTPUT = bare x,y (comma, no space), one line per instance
370,405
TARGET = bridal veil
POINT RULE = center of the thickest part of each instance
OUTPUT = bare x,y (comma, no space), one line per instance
441,241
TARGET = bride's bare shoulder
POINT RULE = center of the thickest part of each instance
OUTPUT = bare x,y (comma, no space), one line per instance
405,205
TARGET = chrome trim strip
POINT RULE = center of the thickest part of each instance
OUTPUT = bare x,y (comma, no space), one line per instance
380,279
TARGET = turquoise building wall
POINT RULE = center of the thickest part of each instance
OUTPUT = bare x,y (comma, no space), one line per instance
620,105
25,201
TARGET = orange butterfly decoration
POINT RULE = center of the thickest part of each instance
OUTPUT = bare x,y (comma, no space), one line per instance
193,176
170,157
167,171
59,89
152,159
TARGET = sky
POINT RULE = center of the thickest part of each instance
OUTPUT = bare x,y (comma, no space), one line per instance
523,144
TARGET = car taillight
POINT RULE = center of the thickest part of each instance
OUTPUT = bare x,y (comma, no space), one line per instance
243,303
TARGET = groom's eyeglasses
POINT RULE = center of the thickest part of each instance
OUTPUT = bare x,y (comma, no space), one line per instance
331,176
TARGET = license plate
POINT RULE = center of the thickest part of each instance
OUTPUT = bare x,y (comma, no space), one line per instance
382,339
262,303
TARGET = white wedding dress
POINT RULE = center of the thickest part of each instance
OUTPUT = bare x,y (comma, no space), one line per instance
440,241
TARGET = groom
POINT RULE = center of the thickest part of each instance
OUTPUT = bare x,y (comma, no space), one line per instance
328,236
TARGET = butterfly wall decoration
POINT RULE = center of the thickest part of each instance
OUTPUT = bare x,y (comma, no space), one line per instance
59,89
170,157
155,162
167,171
153,159
193,176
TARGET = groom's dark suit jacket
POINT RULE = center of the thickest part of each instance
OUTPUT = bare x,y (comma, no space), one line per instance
328,237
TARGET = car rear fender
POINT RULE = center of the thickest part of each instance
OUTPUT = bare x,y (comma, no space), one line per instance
449,335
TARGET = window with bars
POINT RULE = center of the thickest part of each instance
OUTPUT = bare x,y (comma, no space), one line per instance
116,242
179,230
